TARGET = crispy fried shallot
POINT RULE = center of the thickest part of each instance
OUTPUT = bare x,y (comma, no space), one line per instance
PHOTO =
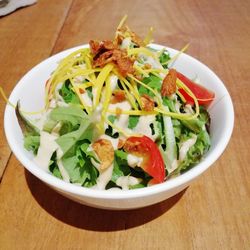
169,83
147,102
105,152
118,96
108,52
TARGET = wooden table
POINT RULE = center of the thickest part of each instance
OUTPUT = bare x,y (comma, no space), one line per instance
214,212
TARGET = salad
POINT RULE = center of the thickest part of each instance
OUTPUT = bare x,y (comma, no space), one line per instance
117,116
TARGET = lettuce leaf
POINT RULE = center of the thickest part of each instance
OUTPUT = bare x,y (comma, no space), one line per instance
132,121
196,152
68,95
196,125
69,117
27,127
164,57
32,143
152,81
74,144
121,167
67,142
112,118
72,114
30,131
79,166
53,167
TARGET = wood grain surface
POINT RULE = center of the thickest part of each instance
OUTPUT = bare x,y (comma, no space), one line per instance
214,212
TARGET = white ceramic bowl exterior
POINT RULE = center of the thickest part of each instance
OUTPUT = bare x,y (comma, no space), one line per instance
30,91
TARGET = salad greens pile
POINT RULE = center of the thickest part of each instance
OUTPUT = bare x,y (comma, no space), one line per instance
117,117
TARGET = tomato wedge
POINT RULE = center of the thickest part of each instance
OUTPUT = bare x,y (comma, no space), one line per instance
203,95
152,160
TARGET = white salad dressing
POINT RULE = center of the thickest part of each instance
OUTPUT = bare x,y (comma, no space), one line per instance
185,146
126,43
151,61
125,181
47,147
96,115
134,161
188,109
40,121
174,166
104,178
144,125
113,82
79,79
106,174
122,120
87,99
63,171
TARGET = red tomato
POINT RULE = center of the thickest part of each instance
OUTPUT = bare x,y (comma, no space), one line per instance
152,160
203,95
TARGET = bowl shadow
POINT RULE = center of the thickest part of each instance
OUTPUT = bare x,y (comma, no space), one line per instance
94,219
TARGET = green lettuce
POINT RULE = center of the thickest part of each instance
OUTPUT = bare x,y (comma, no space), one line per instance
79,165
133,121
53,167
121,167
30,131
164,58
195,153
152,81
68,95
32,143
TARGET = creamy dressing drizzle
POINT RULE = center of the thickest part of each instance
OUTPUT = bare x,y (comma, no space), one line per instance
39,122
106,174
150,60
96,116
126,43
104,178
47,147
63,171
87,99
113,82
125,181
185,146
144,125
122,120
134,161
188,109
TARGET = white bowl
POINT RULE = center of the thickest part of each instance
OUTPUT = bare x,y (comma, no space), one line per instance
30,90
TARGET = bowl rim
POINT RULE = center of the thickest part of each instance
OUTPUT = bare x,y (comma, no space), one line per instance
73,189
